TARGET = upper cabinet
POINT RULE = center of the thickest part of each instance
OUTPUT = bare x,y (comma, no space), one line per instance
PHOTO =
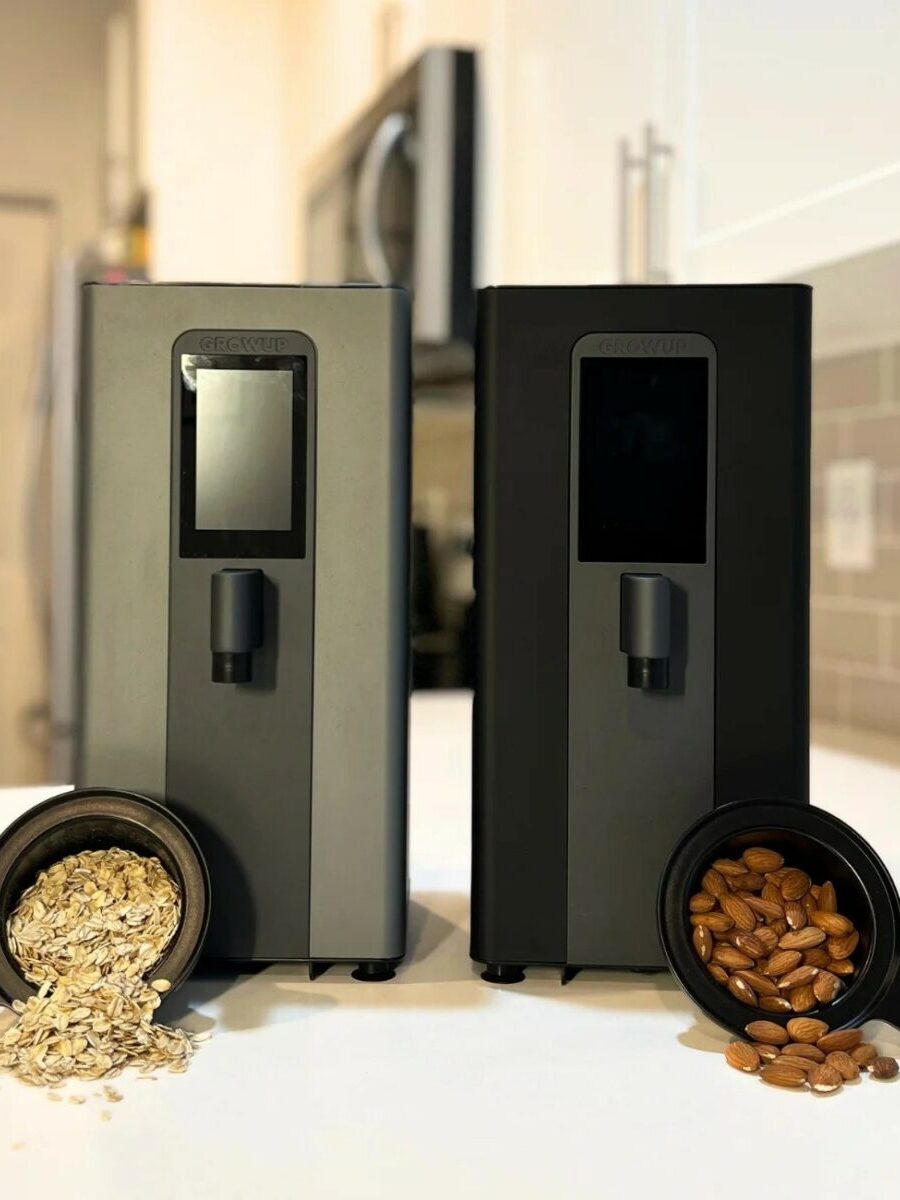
562,84
787,123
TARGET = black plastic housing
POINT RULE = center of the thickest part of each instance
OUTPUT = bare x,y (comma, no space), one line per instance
523,910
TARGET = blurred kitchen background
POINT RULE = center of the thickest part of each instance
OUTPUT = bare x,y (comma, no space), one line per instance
447,144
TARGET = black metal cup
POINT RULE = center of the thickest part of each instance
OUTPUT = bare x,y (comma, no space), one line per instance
96,819
826,848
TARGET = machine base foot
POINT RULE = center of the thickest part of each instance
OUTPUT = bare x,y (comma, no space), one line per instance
373,972
502,973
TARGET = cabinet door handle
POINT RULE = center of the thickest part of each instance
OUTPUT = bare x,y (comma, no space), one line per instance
652,268
654,208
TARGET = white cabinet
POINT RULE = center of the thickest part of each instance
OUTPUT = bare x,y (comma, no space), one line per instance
563,82
788,132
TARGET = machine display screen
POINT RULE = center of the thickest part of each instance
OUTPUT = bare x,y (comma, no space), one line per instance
642,460
243,456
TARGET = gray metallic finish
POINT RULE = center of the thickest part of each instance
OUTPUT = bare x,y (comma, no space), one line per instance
125,539
641,762
360,686
238,756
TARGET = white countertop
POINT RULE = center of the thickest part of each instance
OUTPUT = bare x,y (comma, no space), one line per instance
438,1085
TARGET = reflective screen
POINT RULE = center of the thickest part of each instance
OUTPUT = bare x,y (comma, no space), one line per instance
643,460
244,449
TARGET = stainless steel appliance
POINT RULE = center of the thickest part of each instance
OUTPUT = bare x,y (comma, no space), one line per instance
642,589
393,201
245,598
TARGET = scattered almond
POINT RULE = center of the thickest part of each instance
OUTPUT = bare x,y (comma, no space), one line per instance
794,914
843,1064
833,923
805,1050
775,1035
883,1067
702,902
823,1078
781,962
797,978
840,1039
864,1055
805,1029
739,911
803,999
783,1076
727,866
742,990
842,947
742,1056
827,900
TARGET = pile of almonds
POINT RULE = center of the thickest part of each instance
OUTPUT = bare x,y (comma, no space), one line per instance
807,1054
770,935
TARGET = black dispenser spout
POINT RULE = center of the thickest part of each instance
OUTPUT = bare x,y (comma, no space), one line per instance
645,630
236,623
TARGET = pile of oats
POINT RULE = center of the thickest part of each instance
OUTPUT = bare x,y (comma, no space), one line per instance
89,932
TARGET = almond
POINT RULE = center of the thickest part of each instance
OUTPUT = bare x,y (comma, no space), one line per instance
761,858
741,1056
703,943
826,987
775,1004
798,978
766,908
794,914
750,881
719,974
776,877
781,962
776,1035
841,966
809,902
843,947
739,911
881,1067
794,884
772,893
713,883
826,898
843,1064
840,1039
742,990
803,1029
768,937
783,1076
731,958
715,921
802,998
766,1052
798,939
824,1079
759,983
864,1055
795,1060
817,957
747,943
702,902
805,1050
727,866
780,927
833,923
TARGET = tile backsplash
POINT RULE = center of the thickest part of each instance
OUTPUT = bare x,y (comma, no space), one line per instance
855,613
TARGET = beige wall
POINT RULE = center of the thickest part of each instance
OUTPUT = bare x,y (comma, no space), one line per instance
856,614
52,81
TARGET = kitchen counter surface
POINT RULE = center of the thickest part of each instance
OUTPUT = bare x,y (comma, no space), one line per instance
438,1085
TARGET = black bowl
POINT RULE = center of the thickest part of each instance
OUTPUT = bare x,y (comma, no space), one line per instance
826,848
96,819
